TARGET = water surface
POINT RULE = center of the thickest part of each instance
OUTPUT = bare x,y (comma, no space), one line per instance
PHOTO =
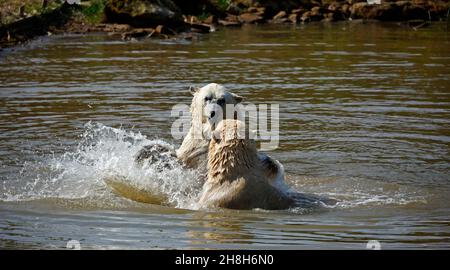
365,119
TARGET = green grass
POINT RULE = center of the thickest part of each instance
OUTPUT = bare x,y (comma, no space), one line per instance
9,9
223,4
203,16
93,12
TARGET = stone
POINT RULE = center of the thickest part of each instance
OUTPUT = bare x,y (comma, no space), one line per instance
333,6
160,29
230,20
345,8
260,10
317,10
229,23
143,13
306,16
312,16
191,19
298,11
252,10
113,27
415,12
250,18
281,14
383,12
138,33
357,10
210,20
201,28
293,17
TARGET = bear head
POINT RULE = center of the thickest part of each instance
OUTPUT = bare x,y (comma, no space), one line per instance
209,103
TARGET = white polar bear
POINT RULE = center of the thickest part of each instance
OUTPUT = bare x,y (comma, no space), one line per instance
193,152
235,173
194,149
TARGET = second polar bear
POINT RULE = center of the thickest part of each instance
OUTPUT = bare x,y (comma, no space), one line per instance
235,174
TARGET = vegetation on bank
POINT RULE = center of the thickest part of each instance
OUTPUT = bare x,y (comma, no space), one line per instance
15,10
93,11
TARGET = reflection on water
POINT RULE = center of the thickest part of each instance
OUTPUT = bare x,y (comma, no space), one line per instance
365,116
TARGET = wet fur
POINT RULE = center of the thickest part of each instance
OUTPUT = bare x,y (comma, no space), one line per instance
236,178
193,152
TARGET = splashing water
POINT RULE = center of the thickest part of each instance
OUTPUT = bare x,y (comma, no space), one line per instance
102,171
103,153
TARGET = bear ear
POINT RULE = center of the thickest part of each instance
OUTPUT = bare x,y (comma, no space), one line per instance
237,98
193,89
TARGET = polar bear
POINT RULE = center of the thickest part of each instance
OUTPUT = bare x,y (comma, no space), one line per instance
204,111
193,151
236,176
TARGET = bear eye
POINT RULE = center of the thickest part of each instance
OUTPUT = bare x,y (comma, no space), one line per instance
207,99
221,101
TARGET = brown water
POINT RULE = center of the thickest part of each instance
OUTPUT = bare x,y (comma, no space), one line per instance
365,119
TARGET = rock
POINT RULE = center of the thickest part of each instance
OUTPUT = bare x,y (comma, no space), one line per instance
257,10
415,12
306,16
162,30
327,18
279,21
345,8
438,9
191,19
202,28
272,7
25,29
252,10
138,33
298,11
280,15
317,14
113,27
229,23
230,20
358,10
333,6
234,9
312,16
197,7
143,13
402,3
317,10
294,17
210,20
250,18
351,2
261,10
385,12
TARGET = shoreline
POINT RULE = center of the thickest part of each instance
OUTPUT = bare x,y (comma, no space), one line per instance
122,21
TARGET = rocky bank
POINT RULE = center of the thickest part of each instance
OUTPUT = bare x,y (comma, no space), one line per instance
134,19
